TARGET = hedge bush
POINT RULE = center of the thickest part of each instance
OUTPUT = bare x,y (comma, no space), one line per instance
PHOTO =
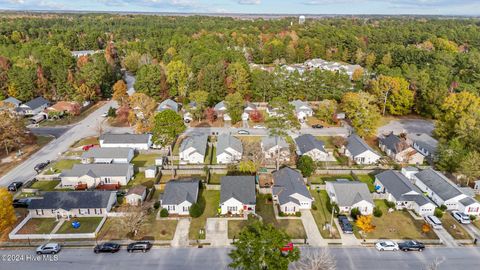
164,212
377,212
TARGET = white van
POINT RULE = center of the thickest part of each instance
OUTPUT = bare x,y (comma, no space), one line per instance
434,222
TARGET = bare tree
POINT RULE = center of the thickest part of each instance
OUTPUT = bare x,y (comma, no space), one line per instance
316,260
134,219
435,264
252,151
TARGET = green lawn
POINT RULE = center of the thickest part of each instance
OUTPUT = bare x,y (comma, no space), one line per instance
87,225
139,179
454,228
144,160
176,147
208,156
396,225
322,178
327,140
38,226
59,166
45,185
209,200
322,216
215,178
43,140
86,141
367,179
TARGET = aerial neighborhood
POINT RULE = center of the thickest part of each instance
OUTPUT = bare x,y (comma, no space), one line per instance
132,142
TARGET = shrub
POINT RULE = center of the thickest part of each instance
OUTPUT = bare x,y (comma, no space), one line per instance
164,212
473,218
195,210
281,214
443,207
354,213
306,165
298,214
438,212
112,112
377,212
156,205
314,207
389,204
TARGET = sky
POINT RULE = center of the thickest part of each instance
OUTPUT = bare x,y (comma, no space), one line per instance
433,7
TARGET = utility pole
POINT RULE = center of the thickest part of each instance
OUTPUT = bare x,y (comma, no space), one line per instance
385,101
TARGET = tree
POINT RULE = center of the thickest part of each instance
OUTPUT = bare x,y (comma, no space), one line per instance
392,94
370,60
258,248
234,103
13,133
238,79
387,60
200,99
326,110
164,212
306,165
210,114
252,153
256,116
21,82
86,93
438,212
112,112
469,166
132,61
355,213
151,81
7,213
435,264
143,108
426,228
133,219
364,223
195,210
357,74
316,260
247,166
450,154
120,92
362,112
177,77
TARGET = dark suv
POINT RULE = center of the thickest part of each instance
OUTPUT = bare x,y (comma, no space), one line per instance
142,246
14,186
345,224
411,245
41,166
107,248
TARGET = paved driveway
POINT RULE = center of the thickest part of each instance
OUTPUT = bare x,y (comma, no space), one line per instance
446,238
313,234
408,126
347,239
217,231
180,238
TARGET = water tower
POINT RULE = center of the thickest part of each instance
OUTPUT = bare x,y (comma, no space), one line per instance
301,19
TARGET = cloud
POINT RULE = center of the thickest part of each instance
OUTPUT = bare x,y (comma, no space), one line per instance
399,3
249,2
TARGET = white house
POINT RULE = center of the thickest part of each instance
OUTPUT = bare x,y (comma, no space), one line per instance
272,112
168,104
249,108
237,195
273,146
33,107
179,196
399,190
302,110
350,194
136,195
399,150
71,204
423,143
229,149
443,192
135,141
108,155
309,146
290,192
221,110
359,151
193,149
92,175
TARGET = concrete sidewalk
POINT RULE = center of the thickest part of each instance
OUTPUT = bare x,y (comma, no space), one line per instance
313,234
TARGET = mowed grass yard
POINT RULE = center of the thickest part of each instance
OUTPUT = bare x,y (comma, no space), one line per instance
45,185
209,201
144,160
86,141
322,178
59,166
396,225
140,179
322,215
87,225
454,228
215,178
38,226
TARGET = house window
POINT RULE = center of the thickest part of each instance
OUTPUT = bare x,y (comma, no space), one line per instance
186,208
39,212
82,211
231,208
171,208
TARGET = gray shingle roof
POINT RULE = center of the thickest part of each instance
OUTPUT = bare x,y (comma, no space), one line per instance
178,191
287,182
349,193
424,141
298,104
220,105
36,102
271,141
307,142
72,200
357,146
97,170
225,141
168,104
242,188
398,185
109,152
138,190
394,143
13,101
438,183
125,138
250,106
467,201
198,142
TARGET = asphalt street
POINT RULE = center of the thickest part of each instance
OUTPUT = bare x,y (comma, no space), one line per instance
53,131
408,126
217,258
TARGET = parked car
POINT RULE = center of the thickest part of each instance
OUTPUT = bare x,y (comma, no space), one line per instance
259,126
21,203
317,126
461,217
88,147
411,245
104,115
243,132
434,222
345,224
107,248
50,248
386,245
14,186
142,246
41,166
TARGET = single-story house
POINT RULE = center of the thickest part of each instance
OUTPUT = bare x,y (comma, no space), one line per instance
135,141
92,175
271,111
151,172
350,194
136,195
273,146
221,111
442,191
33,107
65,107
302,109
108,155
290,192
193,149
179,195
249,107
10,103
423,143
168,104
359,151
229,149
237,195
399,150
310,146
70,204
403,193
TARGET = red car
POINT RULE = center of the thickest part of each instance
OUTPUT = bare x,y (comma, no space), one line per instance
88,147
288,247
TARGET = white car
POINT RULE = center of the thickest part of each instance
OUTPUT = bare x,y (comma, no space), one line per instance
386,245
434,222
461,217
258,126
50,248
104,115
